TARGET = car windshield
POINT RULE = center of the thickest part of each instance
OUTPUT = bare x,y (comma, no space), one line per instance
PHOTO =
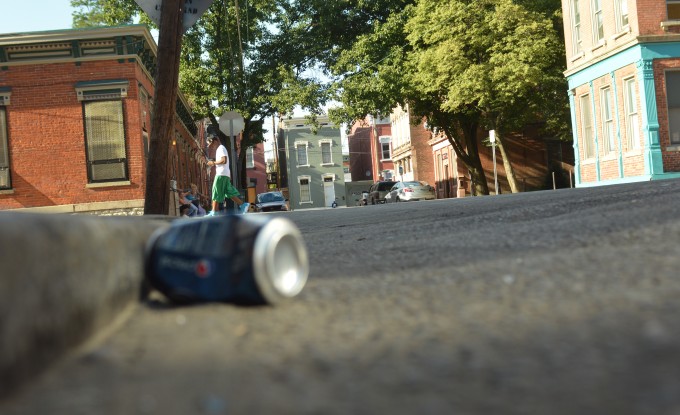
270,197
414,184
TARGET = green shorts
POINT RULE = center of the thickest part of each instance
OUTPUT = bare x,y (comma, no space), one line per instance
222,189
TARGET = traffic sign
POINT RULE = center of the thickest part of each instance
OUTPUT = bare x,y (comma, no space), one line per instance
231,122
193,9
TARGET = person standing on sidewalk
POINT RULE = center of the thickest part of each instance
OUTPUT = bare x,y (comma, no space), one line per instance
222,187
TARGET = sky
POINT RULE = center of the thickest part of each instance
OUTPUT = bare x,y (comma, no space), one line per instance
34,15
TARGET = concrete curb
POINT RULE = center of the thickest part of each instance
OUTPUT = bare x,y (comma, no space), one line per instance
63,278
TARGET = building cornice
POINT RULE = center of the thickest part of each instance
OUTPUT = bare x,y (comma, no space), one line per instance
67,35
639,40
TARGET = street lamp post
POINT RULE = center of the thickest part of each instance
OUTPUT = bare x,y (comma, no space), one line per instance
492,138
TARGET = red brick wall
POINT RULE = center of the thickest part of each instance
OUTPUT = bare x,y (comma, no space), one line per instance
382,130
359,143
46,133
421,153
260,170
527,157
649,14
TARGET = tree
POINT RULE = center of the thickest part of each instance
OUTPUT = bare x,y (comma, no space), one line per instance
461,65
491,55
382,71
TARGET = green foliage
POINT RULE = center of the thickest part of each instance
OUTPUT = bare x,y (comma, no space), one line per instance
492,55
89,13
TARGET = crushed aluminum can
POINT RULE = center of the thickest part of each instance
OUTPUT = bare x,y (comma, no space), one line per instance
241,259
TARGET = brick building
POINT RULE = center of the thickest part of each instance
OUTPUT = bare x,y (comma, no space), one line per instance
411,151
370,149
623,70
75,117
359,141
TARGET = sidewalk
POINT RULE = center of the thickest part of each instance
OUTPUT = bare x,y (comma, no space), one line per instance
63,278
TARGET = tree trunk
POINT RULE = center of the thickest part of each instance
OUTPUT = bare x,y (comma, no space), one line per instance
509,171
461,131
472,161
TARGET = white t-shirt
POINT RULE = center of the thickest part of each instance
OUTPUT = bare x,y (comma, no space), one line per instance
222,169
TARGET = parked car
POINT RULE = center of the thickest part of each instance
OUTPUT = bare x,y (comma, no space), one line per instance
405,191
271,201
378,190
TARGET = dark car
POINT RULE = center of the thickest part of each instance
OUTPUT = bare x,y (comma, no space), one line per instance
378,190
270,202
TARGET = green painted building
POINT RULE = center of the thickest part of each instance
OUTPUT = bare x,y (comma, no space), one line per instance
313,163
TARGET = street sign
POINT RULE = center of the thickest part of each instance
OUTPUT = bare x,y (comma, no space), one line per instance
193,9
492,136
231,122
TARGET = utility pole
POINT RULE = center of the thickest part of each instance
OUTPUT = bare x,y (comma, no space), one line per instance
276,153
165,97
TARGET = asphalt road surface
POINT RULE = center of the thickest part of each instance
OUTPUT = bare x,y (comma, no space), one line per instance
556,302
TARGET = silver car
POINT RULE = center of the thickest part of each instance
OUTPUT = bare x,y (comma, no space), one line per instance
405,191
271,201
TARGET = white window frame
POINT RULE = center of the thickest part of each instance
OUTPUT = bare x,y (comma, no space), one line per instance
577,44
632,118
608,137
587,127
673,121
104,136
385,140
621,10
306,196
298,146
326,147
250,158
597,21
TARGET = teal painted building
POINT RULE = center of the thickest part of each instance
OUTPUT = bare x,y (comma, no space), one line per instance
623,71
314,163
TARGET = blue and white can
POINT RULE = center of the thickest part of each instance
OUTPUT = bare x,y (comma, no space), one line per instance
248,259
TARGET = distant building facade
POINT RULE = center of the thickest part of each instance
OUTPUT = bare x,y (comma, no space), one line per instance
370,147
256,171
411,151
314,163
623,70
